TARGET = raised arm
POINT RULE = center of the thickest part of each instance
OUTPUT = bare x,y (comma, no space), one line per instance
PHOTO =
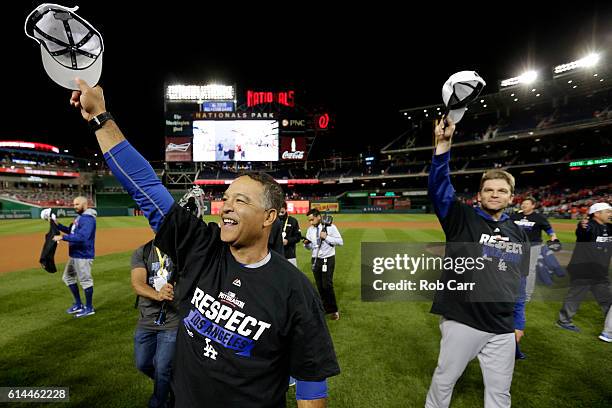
129,167
441,191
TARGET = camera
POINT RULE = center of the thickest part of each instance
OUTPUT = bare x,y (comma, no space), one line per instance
193,201
327,220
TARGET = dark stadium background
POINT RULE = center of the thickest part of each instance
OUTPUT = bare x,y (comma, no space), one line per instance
362,63
370,66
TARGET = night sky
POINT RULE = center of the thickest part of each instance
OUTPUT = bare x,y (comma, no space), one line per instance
362,64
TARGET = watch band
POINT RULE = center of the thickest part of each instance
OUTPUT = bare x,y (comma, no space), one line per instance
97,121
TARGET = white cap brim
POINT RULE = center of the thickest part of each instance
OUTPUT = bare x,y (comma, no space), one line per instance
599,207
456,114
66,77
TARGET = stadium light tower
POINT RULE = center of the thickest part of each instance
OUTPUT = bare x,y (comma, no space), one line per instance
587,62
527,77
590,60
197,93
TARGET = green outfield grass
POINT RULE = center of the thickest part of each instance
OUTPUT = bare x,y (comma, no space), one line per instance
387,351
17,227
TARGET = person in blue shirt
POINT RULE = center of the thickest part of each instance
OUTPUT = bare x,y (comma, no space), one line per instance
81,236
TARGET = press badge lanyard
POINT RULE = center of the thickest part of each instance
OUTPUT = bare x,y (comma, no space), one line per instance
320,242
285,227
162,264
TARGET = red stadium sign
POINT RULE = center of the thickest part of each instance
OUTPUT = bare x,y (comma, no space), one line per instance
286,98
283,181
179,149
298,181
293,207
322,121
298,207
20,144
212,182
215,207
39,172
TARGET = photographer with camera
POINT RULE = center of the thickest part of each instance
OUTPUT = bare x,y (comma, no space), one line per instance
321,238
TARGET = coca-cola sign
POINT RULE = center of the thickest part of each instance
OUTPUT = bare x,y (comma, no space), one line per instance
298,155
293,148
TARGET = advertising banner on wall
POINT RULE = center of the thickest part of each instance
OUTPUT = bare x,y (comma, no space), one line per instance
326,207
402,203
215,207
298,206
293,148
179,123
386,203
179,149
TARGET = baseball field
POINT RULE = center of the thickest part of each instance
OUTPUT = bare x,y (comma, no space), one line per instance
387,350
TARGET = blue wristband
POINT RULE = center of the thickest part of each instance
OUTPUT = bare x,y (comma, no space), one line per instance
310,390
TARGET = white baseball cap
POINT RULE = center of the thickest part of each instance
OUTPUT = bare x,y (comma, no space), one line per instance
70,46
599,207
46,214
459,90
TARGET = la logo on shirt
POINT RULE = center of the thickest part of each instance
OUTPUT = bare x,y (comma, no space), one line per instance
220,320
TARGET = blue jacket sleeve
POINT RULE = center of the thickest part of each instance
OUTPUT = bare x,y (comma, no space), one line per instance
519,306
137,176
86,226
63,228
441,191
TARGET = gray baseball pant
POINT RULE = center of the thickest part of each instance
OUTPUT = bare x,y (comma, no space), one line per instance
459,345
608,325
534,252
78,269
576,294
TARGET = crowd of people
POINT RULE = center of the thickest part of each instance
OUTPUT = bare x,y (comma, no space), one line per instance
45,195
557,202
38,161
